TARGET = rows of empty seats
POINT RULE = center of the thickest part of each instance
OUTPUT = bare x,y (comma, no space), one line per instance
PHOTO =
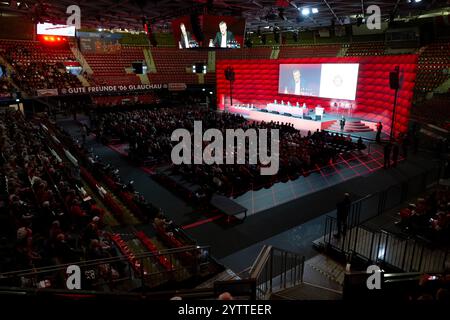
366,49
109,68
245,53
173,65
434,66
310,51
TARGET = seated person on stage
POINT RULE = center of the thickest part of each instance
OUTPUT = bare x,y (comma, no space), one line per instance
223,37
186,38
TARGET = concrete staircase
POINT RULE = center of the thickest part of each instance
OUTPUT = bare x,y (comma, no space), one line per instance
328,267
151,66
80,58
144,78
275,53
211,61
227,275
350,126
342,52
322,280
444,87
83,80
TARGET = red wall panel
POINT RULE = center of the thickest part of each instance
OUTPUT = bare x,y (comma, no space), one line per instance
257,83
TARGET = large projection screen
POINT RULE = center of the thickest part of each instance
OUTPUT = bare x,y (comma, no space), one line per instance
55,30
333,81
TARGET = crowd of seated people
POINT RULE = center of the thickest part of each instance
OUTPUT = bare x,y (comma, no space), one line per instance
30,74
53,221
40,75
428,216
149,135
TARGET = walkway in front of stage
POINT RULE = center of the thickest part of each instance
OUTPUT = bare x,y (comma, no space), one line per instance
348,166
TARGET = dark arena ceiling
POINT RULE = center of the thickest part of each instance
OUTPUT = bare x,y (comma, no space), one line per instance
285,14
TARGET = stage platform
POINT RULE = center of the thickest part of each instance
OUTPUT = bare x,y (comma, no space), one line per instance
355,126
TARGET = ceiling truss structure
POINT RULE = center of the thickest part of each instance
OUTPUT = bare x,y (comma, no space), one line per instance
282,14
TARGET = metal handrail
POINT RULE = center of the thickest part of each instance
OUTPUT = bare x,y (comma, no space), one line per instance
96,262
401,253
266,270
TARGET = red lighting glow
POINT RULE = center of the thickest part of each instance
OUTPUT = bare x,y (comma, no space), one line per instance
52,39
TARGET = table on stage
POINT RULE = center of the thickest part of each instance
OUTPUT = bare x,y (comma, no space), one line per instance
283,108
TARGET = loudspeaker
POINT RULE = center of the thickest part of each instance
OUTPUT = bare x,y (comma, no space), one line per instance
394,81
199,68
138,67
229,74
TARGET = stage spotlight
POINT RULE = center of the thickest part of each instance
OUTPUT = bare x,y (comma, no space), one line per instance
306,11
315,10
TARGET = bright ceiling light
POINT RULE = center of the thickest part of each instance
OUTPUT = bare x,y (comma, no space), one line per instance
315,10
306,11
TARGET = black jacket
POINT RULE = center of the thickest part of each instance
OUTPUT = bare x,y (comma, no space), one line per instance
183,45
218,39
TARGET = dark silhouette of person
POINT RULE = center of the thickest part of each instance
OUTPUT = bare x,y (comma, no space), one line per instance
395,152
416,142
360,144
387,155
415,136
342,123
223,37
342,211
379,129
405,145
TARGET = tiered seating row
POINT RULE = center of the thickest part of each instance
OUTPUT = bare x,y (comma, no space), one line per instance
310,51
154,249
366,49
125,250
109,69
433,67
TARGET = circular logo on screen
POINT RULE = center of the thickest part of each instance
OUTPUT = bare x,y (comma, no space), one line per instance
338,81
